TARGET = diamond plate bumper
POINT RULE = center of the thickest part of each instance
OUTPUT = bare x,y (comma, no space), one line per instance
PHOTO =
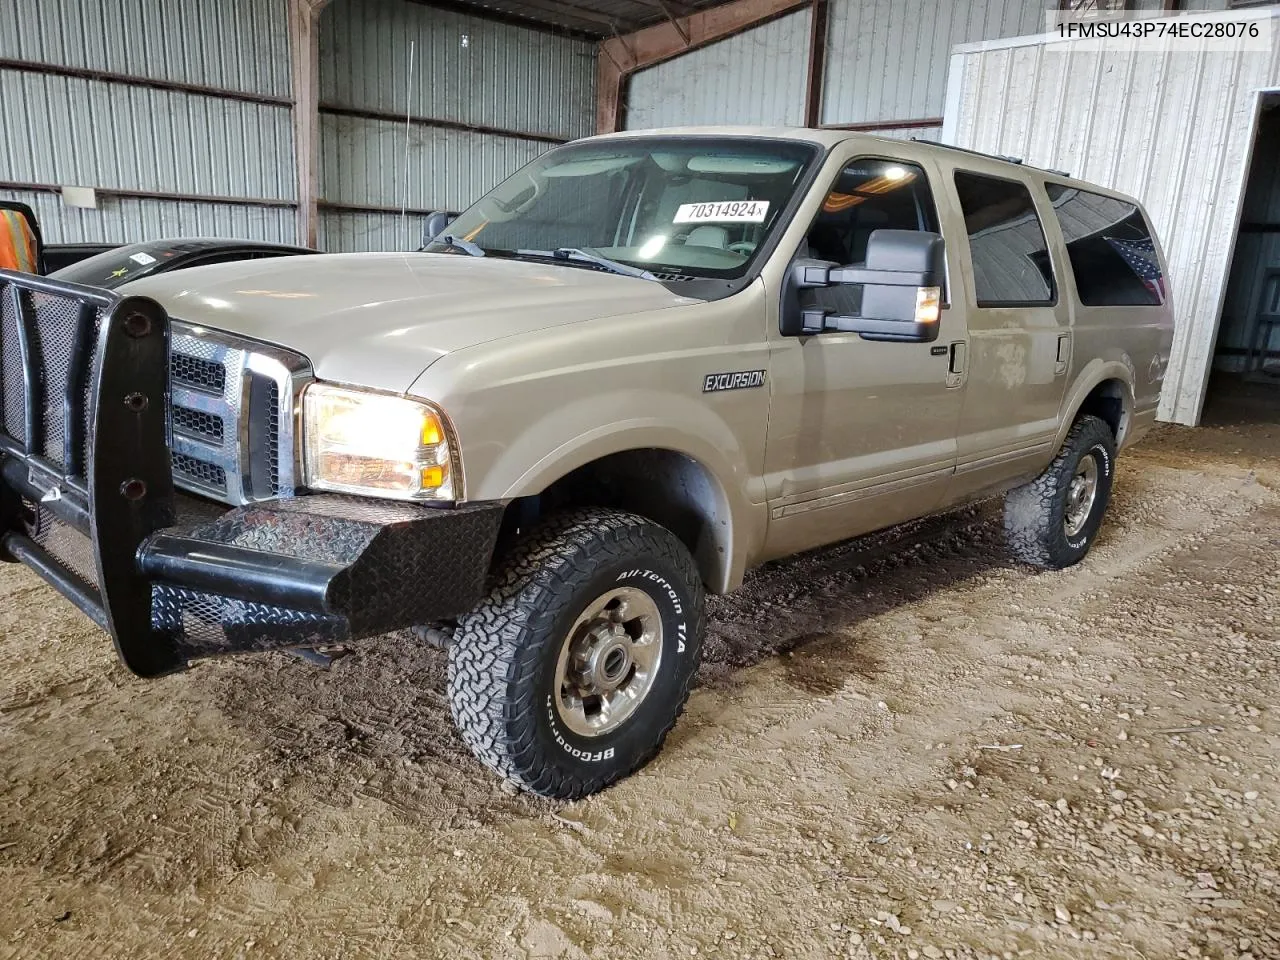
313,570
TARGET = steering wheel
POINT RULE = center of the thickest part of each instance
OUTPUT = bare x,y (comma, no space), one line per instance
744,247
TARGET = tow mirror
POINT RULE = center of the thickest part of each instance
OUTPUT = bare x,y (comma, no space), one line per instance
901,283
436,223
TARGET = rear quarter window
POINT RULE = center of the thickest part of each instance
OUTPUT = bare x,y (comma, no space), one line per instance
1006,242
1110,247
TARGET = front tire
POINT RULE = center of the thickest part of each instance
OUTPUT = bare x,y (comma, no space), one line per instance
570,674
1052,521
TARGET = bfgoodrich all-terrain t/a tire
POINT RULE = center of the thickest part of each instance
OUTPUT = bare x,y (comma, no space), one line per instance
1053,520
569,675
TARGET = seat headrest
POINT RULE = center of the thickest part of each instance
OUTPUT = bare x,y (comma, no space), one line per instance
707,235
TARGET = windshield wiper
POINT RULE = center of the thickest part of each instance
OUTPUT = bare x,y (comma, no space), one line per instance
458,243
578,255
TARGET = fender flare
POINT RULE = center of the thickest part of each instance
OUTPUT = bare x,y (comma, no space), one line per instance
735,532
1095,372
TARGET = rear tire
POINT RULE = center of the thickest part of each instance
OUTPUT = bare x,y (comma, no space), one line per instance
570,674
1052,521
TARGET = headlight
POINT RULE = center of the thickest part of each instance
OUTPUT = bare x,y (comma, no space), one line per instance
374,444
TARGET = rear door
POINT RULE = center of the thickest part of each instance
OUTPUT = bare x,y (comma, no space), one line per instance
1019,342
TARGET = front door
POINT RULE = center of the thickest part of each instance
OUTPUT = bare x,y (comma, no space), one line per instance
862,434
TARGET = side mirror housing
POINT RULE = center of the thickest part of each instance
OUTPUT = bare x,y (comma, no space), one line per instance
436,223
901,283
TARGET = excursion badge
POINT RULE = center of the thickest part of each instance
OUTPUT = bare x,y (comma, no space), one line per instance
740,380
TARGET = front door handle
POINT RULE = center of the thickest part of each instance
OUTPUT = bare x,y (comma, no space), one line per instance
956,365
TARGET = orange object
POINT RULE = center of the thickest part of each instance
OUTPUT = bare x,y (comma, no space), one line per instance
19,248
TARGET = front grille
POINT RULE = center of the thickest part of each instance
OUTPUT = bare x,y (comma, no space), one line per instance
231,400
199,473
197,423
232,414
273,429
189,371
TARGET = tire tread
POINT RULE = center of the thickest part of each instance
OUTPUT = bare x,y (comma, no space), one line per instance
1032,512
497,644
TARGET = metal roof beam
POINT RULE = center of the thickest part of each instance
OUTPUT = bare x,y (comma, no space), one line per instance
566,11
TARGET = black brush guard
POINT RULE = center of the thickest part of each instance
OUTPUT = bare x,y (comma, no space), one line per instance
87,500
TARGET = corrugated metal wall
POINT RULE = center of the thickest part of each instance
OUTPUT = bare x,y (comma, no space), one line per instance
487,97
65,130
1172,129
128,219
467,69
236,44
116,134
756,77
887,59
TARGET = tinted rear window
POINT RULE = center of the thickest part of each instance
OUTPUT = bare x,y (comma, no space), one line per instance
1113,256
1010,256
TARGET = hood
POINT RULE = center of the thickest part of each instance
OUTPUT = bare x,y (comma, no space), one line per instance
380,319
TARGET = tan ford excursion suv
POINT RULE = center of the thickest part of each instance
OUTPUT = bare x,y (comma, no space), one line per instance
639,367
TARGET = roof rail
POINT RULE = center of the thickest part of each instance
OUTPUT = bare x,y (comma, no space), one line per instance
993,156
978,153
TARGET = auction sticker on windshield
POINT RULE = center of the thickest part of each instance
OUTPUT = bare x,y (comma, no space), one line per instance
723,211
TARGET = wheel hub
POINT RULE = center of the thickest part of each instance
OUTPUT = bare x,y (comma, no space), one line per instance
608,661
1081,494
603,660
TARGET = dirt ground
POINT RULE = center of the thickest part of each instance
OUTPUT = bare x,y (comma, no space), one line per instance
908,749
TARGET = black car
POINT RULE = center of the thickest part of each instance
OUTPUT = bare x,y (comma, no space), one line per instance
122,264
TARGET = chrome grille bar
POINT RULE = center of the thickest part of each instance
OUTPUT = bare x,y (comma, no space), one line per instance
235,438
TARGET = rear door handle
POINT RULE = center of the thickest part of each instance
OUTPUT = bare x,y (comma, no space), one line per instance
1064,354
956,364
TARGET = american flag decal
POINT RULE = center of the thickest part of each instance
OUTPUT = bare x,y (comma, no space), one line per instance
1140,256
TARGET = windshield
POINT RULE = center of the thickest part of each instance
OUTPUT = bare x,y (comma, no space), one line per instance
676,209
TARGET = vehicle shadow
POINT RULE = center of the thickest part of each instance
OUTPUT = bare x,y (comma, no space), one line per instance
376,724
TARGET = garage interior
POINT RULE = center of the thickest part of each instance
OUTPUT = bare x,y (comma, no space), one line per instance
1246,374
902,746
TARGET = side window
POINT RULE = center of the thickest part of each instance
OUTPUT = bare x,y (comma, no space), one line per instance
1010,257
870,194
1113,256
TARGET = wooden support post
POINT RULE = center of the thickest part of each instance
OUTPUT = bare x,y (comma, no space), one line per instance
818,15
304,53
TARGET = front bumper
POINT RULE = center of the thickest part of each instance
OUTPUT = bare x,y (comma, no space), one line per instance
87,501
